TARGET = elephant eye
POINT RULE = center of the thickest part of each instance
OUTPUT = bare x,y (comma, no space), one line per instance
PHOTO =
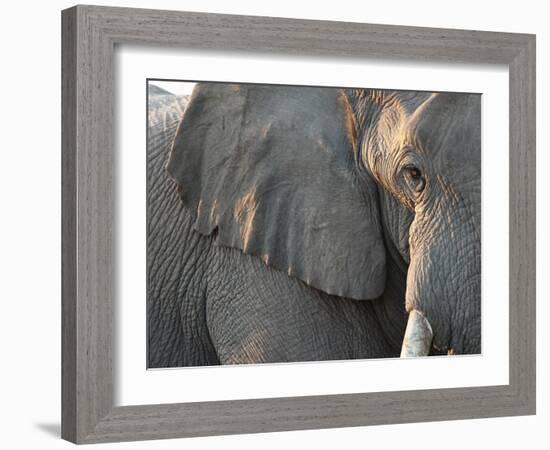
414,179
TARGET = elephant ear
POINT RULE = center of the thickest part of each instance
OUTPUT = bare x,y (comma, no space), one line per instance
271,170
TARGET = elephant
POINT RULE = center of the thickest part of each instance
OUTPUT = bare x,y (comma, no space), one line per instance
294,223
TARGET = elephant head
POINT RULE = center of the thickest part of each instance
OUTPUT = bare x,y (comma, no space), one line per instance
322,183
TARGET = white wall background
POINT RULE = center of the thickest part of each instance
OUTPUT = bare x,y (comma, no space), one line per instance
30,236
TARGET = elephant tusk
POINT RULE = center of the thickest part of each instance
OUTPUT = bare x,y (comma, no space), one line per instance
418,336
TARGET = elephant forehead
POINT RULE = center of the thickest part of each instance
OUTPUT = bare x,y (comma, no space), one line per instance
446,128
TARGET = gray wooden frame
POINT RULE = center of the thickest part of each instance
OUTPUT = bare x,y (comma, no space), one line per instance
89,36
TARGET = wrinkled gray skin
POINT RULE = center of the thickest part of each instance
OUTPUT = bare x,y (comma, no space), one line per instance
300,224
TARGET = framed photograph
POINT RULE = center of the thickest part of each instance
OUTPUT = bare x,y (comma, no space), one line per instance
278,224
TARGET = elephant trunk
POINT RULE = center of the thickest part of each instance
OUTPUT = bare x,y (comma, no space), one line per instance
418,336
